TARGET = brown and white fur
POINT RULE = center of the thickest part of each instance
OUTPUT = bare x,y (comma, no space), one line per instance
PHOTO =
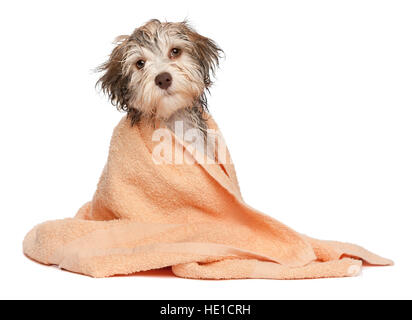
135,75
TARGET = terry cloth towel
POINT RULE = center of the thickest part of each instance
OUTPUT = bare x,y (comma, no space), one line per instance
190,217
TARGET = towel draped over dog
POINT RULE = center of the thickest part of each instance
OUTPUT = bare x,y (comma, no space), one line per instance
190,217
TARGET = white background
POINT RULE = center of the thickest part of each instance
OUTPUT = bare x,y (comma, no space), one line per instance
314,99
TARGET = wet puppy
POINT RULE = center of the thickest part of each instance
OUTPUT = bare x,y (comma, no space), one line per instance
162,71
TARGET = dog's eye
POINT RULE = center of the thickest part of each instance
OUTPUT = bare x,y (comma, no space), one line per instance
175,52
140,64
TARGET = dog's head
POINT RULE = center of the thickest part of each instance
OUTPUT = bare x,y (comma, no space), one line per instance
159,69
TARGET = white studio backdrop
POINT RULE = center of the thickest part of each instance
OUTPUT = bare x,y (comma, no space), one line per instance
314,99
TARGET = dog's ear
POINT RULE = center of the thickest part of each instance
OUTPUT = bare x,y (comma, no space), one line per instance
207,53
113,82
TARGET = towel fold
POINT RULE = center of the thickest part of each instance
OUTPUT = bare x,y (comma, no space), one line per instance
191,217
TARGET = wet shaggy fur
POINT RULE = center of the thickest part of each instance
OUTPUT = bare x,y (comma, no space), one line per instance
132,89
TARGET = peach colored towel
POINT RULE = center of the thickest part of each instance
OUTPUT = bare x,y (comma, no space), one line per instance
190,217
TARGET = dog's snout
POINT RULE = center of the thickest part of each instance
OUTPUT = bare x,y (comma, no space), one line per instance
163,80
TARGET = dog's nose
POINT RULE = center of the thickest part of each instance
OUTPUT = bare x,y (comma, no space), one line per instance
164,80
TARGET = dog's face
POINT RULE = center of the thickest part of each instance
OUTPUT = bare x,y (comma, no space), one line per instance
159,69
